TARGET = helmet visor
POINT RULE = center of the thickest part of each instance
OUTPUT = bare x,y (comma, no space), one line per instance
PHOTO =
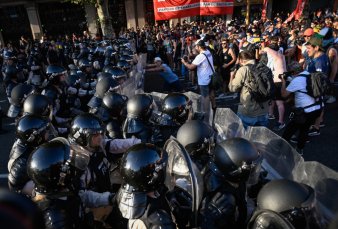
94,102
79,156
13,111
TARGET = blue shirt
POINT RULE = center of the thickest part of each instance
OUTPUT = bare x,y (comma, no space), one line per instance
319,64
168,74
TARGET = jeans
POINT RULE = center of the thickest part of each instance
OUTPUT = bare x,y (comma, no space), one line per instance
184,71
261,120
303,128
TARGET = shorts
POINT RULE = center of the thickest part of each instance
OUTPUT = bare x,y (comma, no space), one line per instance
278,93
204,90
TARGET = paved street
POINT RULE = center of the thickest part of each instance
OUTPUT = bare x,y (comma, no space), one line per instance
321,148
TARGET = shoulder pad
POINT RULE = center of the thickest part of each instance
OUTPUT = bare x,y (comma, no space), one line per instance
18,149
57,219
160,219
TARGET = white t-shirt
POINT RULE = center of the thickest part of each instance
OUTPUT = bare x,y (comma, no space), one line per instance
302,99
203,69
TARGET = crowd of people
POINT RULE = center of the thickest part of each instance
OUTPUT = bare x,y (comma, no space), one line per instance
89,156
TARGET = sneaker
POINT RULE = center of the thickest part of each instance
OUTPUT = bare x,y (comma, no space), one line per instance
313,132
279,126
294,139
271,117
331,99
322,124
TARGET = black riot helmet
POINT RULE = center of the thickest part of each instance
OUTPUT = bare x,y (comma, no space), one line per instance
142,167
53,73
115,72
113,130
293,200
83,128
54,164
32,129
234,158
105,85
102,75
84,63
114,103
37,104
18,96
195,136
140,106
177,106
125,65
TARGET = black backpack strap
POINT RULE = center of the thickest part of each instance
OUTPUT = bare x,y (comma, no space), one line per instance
209,63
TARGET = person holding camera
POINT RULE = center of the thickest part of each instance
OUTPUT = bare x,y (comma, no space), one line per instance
307,109
204,64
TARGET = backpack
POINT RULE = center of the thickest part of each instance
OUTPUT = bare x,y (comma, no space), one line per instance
317,84
260,83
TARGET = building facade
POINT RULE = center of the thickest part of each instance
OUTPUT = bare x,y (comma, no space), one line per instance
33,18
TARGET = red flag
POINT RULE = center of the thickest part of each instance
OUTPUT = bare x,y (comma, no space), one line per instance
297,12
265,5
300,5
167,9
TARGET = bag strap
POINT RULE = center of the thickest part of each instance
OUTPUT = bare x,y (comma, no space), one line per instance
209,63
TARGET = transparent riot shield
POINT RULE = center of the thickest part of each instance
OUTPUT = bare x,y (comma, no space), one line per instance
325,183
131,86
281,160
227,124
182,172
279,157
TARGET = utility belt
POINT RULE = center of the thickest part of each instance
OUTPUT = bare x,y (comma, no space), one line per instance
298,114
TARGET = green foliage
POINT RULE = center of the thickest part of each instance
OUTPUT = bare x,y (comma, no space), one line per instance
81,1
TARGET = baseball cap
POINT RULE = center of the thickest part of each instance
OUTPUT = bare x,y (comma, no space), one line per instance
157,59
315,41
308,32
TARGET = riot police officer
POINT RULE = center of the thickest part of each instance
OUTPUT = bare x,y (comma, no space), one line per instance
31,131
57,95
87,131
115,112
140,198
176,109
55,168
224,203
197,138
139,111
102,87
18,95
294,202
38,105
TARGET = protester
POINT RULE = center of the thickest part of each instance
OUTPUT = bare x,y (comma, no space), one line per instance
250,112
204,71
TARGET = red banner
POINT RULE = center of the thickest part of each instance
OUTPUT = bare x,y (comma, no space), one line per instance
265,6
168,9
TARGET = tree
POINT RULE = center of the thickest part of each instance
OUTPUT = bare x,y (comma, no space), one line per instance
102,12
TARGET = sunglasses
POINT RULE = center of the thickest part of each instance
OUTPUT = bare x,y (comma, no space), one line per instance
307,36
224,43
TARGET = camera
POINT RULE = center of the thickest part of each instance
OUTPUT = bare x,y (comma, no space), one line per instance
185,58
299,41
285,75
